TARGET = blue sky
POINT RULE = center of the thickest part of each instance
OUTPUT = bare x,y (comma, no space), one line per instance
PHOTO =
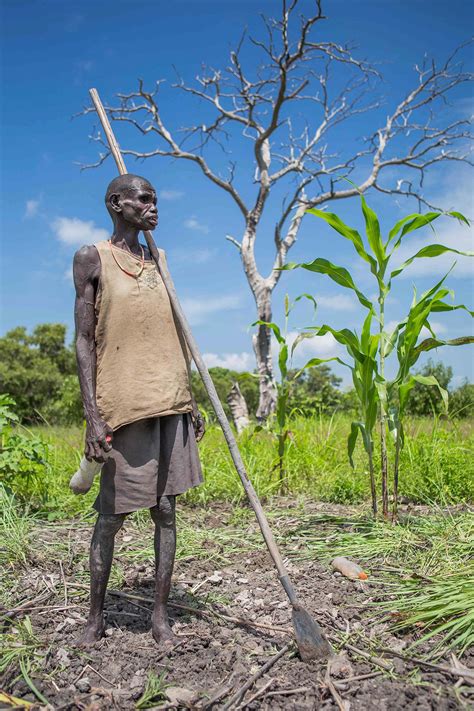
54,51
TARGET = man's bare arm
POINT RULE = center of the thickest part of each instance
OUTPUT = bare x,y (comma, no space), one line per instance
86,271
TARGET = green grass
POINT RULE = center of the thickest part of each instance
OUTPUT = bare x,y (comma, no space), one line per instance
154,691
15,525
429,554
437,466
422,568
442,607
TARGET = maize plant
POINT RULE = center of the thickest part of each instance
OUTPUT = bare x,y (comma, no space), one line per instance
379,399
279,425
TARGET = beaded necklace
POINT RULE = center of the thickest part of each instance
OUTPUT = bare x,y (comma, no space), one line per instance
142,266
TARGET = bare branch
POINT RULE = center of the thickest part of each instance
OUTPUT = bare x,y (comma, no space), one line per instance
283,112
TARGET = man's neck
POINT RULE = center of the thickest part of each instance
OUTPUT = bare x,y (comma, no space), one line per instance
126,236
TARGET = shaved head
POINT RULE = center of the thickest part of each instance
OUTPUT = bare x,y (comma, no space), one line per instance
123,184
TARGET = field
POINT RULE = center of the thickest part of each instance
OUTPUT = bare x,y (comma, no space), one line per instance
404,638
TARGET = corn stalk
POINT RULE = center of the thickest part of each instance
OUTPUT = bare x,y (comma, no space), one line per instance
368,353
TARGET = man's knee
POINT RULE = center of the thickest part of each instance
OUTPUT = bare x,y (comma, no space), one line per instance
110,524
163,512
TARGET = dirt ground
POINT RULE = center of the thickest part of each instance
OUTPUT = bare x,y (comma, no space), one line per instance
216,654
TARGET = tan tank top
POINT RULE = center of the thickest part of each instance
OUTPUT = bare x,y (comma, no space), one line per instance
142,360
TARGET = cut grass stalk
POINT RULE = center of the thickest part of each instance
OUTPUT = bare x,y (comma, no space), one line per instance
443,606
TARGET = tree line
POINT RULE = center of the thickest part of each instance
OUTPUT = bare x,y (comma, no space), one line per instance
38,370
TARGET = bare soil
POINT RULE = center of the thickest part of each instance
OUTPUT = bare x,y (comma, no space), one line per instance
215,655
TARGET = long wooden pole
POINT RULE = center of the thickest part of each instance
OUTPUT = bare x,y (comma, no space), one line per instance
204,373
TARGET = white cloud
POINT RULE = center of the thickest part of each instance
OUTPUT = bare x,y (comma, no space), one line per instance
85,65
31,208
191,256
170,194
318,347
339,302
233,361
73,231
68,276
437,327
193,224
197,310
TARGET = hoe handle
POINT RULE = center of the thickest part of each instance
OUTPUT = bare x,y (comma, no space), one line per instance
203,371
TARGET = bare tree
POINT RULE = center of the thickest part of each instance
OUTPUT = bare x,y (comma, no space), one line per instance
285,107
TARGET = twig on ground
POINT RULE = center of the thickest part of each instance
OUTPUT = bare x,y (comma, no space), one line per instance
466,674
88,666
286,692
64,582
205,613
341,704
342,683
26,605
220,693
258,694
375,660
250,682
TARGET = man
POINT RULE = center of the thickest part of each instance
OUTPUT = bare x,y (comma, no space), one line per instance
134,373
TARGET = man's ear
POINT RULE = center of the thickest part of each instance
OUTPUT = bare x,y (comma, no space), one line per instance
115,202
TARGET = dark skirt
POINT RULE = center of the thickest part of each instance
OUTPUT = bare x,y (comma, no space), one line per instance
149,458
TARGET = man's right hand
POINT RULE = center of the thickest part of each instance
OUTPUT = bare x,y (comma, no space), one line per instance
98,440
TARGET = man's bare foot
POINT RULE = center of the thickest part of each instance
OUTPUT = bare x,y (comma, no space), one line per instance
161,630
94,630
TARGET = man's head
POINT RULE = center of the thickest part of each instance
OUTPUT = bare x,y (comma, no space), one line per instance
132,199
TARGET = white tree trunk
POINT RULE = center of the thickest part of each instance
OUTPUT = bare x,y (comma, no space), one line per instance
238,408
262,345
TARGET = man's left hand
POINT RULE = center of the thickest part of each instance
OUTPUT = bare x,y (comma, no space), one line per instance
198,424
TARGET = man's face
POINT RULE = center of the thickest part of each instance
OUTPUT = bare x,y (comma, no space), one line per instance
138,205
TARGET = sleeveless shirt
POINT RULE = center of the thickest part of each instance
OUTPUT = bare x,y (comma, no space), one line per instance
143,366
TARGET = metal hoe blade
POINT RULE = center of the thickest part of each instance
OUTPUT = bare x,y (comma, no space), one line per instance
312,645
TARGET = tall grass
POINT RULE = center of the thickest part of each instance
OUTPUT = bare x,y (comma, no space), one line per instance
424,562
436,466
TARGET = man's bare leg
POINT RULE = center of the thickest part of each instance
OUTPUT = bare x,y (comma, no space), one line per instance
101,555
163,516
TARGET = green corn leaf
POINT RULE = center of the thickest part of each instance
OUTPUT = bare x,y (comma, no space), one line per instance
338,274
395,426
356,427
281,409
283,360
372,227
429,343
343,336
431,380
310,298
365,333
443,306
381,387
459,216
273,327
406,387
417,316
410,223
390,340
318,361
431,250
301,337
417,221
348,232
